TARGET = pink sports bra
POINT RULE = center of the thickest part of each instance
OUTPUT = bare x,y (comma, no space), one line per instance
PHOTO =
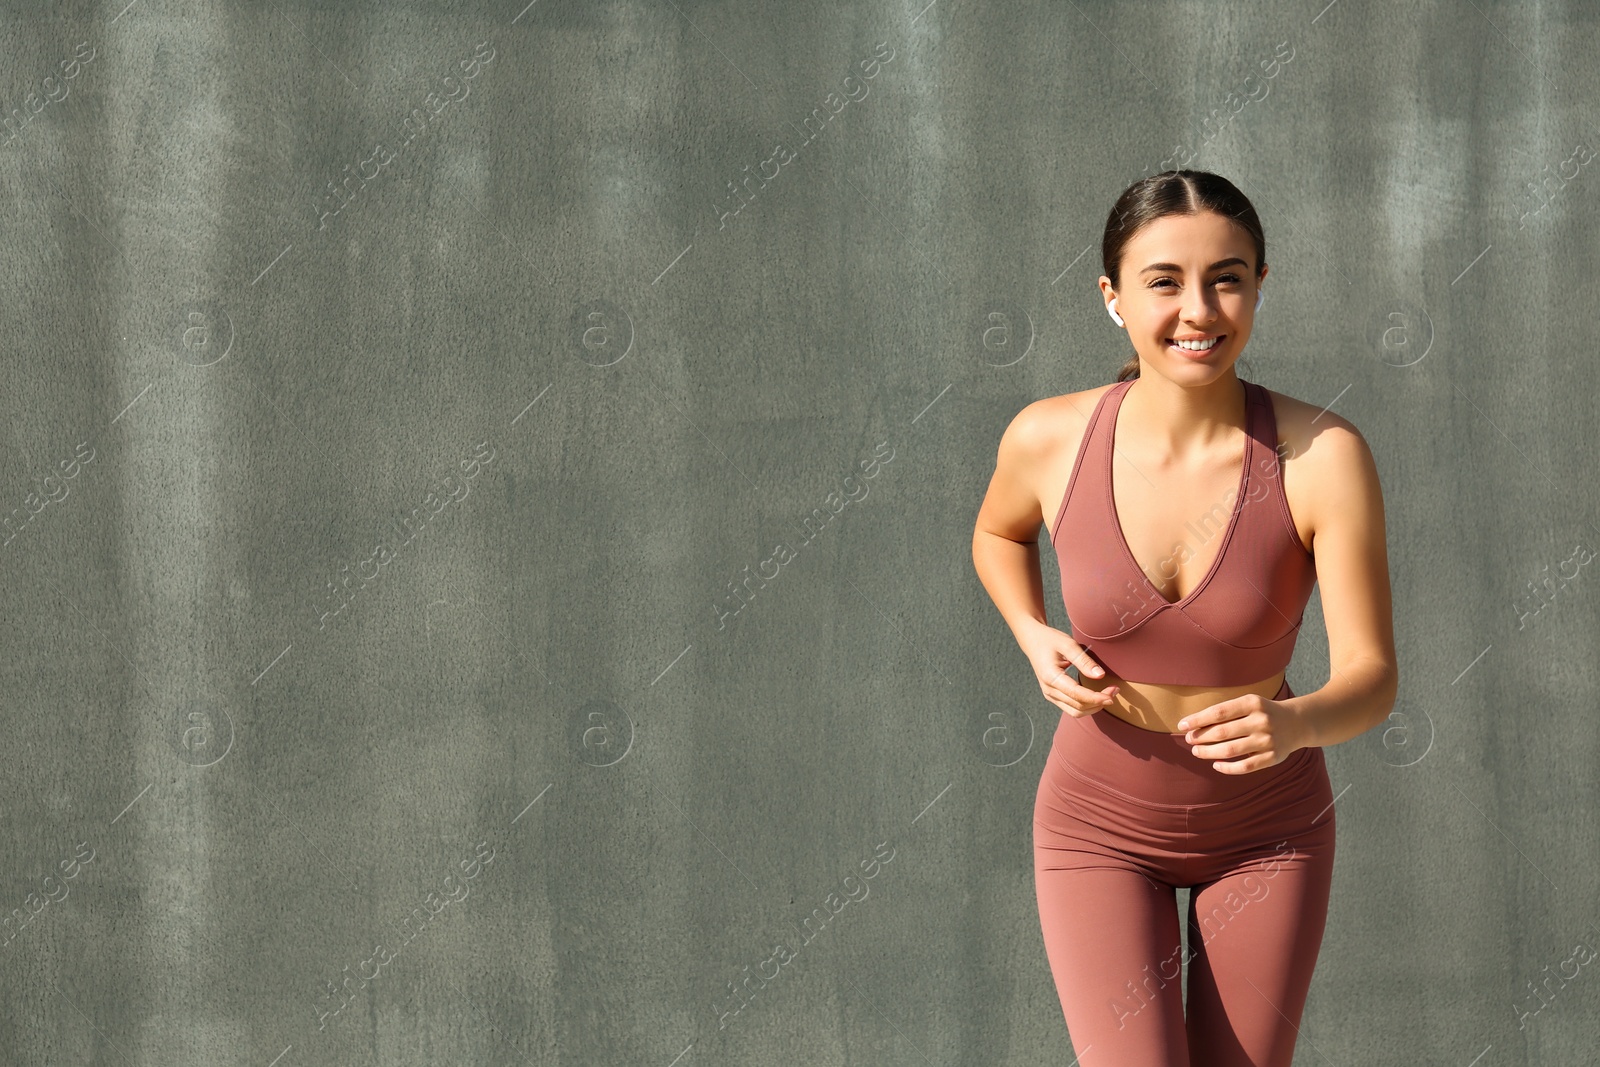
1239,624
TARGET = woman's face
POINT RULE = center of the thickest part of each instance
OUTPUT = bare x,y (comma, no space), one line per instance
1187,276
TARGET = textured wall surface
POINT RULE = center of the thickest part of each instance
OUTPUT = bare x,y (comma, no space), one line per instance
488,496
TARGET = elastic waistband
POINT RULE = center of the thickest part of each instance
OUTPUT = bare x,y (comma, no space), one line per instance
1157,769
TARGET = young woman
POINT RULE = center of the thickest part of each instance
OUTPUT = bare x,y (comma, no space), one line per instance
1192,513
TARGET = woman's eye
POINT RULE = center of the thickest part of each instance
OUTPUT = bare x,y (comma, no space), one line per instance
1230,278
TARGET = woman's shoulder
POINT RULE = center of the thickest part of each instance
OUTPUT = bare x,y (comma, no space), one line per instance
1049,423
1040,446
1314,432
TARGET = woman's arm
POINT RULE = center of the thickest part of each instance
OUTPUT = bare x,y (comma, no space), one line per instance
1005,547
1005,540
1352,561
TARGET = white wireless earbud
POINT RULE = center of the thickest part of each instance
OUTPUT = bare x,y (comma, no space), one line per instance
1260,296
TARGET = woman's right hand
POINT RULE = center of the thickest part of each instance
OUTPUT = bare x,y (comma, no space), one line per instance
1051,652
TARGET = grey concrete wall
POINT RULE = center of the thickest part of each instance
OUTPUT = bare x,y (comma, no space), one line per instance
402,410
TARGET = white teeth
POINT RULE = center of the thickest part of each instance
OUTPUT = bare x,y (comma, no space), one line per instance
1196,346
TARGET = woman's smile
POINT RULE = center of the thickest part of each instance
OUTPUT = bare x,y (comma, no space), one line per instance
1192,348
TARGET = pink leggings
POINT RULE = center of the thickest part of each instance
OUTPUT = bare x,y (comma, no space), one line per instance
1122,818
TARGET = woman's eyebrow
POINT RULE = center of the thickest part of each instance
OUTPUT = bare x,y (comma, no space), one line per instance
1178,269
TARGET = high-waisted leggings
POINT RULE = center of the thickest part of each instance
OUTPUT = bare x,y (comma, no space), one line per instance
1123,817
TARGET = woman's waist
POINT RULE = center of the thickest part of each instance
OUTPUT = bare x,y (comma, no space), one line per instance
1159,769
1155,762
1158,708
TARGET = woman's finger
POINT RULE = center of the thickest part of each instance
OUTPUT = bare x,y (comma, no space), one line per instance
1086,665
1064,692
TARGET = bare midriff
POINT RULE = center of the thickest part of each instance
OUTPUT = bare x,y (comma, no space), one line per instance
1159,707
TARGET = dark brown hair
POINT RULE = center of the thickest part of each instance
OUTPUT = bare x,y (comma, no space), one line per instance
1173,192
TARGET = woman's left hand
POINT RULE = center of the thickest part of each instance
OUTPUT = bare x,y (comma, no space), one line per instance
1247,733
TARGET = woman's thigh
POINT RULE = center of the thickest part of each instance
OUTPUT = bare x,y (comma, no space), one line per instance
1108,912
1111,937
1256,920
